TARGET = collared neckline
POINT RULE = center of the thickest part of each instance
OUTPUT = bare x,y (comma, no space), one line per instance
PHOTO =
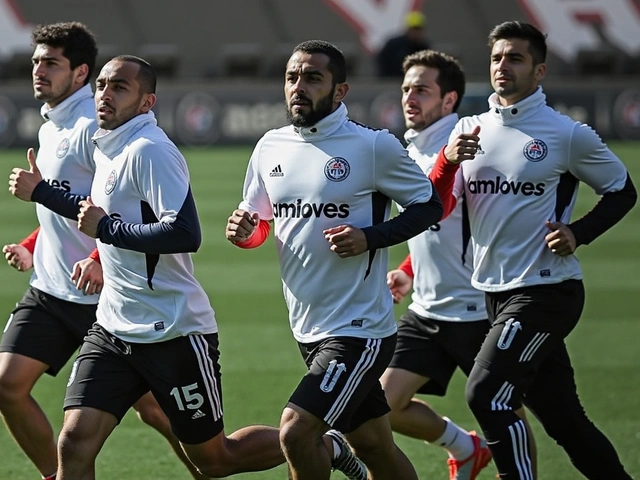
110,142
325,127
65,109
518,111
421,139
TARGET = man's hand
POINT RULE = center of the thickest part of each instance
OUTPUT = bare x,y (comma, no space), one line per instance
18,257
399,283
561,240
87,275
22,182
89,217
241,225
464,147
346,241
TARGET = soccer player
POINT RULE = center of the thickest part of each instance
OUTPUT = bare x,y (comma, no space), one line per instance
50,322
520,185
326,182
446,322
155,330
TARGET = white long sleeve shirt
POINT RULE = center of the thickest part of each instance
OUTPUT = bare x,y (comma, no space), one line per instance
65,159
142,178
442,257
310,179
531,161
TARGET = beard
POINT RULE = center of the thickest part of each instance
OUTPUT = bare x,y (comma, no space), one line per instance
506,91
426,119
316,112
52,95
119,118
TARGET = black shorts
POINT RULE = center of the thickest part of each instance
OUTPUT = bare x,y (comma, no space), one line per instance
434,348
342,385
183,374
47,329
527,325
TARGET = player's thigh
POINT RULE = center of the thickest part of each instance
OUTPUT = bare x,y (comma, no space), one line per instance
373,439
184,377
104,376
420,351
46,329
553,394
529,325
463,340
400,386
84,431
342,386
18,375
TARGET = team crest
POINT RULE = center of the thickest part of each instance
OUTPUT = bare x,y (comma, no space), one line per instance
337,169
63,148
112,179
535,150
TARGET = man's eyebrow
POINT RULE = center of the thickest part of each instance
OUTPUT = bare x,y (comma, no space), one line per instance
113,80
510,54
48,58
310,71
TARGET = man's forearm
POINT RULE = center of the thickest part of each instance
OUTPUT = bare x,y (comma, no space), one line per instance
57,200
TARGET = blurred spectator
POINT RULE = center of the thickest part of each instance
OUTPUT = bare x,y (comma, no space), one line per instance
390,57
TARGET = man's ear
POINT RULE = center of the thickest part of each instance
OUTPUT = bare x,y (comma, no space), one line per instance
147,102
449,101
340,92
540,71
80,73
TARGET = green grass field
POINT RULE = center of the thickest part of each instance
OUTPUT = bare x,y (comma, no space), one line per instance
261,364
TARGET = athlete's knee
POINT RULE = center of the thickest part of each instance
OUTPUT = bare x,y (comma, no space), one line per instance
397,399
487,392
75,444
298,428
83,434
373,442
9,394
15,387
372,450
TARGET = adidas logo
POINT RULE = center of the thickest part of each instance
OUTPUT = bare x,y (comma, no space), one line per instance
198,414
276,172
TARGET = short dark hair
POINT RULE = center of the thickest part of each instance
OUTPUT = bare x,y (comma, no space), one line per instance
76,40
146,75
525,31
337,64
450,73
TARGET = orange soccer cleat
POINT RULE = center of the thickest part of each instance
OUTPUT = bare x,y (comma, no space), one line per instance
469,468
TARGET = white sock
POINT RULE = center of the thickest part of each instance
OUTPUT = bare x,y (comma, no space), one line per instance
456,441
336,449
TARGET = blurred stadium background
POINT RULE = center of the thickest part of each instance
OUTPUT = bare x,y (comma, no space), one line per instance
220,88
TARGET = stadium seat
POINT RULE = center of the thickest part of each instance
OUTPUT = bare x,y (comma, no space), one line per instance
164,57
105,53
352,53
598,61
17,65
278,59
242,59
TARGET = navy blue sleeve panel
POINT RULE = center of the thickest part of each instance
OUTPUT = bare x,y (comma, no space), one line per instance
57,200
412,221
183,235
607,212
